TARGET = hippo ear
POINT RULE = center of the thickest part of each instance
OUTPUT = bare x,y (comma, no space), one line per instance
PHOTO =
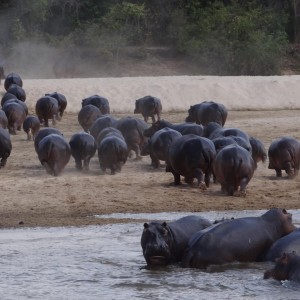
146,225
284,211
164,224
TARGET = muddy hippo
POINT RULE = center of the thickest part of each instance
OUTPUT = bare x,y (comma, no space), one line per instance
112,153
62,102
100,123
148,106
5,146
2,75
83,148
6,97
31,126
191,156
16,115
233,168
207,111
87,115
164,243
47,108
42,133
3,120
133,132
159,145
54,153
183,128
288,243
284,154
12,78
243,239
18,91
98,101
287,267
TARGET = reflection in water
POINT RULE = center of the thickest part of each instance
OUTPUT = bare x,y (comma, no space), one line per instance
106,262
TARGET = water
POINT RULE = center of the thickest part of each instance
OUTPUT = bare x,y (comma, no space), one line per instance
106,262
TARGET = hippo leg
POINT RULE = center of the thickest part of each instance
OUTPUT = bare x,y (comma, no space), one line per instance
153,119
78,164
28,136
137,151
158,116
48,168
46,123
154,162
289,169
54,120
146,119
86,163
3,162
207,178
176,178
278,173
200,178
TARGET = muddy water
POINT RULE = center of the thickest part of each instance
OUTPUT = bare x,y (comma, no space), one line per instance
106,262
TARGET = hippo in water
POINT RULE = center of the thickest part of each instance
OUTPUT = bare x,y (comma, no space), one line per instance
148,106
243,239
5,146
54,153
98,101
83,148
47,108
164,243
287,267
31,126
207,111
284,154
233,168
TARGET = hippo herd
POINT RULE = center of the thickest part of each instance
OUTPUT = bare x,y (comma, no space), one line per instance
200,149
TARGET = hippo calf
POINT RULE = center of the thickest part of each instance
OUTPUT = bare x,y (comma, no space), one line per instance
31,126
284,154
287,267
148,106
164,243
5,146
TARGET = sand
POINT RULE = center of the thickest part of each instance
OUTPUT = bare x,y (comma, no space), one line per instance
265,107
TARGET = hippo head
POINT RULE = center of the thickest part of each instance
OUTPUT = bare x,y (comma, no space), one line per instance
158,125
210,128
156,243
190,117
137,109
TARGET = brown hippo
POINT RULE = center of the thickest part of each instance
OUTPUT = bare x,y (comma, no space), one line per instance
183,128
31,126
3,120
284,154
62,102
47,108
5,146
18,91
242,239
100,123
83,148
148,106
207,111
191,156
87,115
133,132
287,267
54,153
12,78
16,115
164,243
233,168
42,133
98,101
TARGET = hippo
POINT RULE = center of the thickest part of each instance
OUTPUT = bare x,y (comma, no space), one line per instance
112,153
3,120
62,102
87,115
83,148
42,133
148,106
18,91
133,132
5,146
214,130
287,267
98,101
31,126
191,156
6,97
222,142
12,78
100,123
183,128
233,168
164,243
288,243
2,75
159,145
259,152
207,111
47,108
108,131
16,115
23,104
284,154
54,153
242,239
